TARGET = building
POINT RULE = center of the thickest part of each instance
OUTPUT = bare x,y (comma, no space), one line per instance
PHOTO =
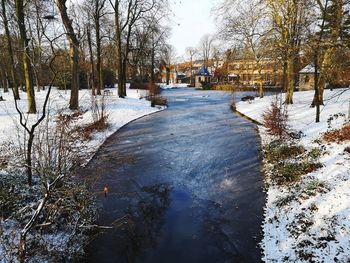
307,78
202,76
249,71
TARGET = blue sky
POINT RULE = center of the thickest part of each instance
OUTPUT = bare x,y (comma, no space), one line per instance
191,20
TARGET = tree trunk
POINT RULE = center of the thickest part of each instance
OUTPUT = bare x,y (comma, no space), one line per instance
167,75
152,61
92,65
25,57
100,85
119,50
13,84
317,89
124,73
29,159
74,54
290,80
322,80
191,75
261,89
74,95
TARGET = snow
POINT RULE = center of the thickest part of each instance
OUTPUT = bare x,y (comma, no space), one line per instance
308,69
309,227
173,85
120,111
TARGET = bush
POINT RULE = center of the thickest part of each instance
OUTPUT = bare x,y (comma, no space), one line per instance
153,89
207,86
276,119
347,149
314,187
55,205
339,135
139,85
290,162
8,199
315,153
279,151
158,100
287,173
186,80
225,87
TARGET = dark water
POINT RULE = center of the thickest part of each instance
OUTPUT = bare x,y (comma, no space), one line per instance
184,186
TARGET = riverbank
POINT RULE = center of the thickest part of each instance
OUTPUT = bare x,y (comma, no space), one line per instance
308,220
62,233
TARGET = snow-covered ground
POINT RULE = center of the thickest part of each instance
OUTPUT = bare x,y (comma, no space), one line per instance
309,221
120,111
173,85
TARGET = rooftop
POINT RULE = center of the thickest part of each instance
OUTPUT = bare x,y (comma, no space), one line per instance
203,71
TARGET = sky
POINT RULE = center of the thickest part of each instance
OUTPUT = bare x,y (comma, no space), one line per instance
191,20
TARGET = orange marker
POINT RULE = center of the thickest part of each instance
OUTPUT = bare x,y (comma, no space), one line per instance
106,190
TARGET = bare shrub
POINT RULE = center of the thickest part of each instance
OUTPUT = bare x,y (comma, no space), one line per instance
276,120
158,100
153,89
99,117
99,108
55,209
154,97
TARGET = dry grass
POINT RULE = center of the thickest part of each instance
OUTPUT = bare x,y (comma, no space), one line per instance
97,126
338,136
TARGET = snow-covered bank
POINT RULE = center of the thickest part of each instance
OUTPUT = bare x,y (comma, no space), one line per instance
120,111
62,236
309,221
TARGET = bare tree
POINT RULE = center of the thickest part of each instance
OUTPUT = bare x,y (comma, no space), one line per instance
74,53
168,56
27,66
289,20
98,13
332,36
191,53
247,25
205,47
13,83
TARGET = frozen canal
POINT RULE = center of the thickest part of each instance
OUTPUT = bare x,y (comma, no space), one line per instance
184,183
